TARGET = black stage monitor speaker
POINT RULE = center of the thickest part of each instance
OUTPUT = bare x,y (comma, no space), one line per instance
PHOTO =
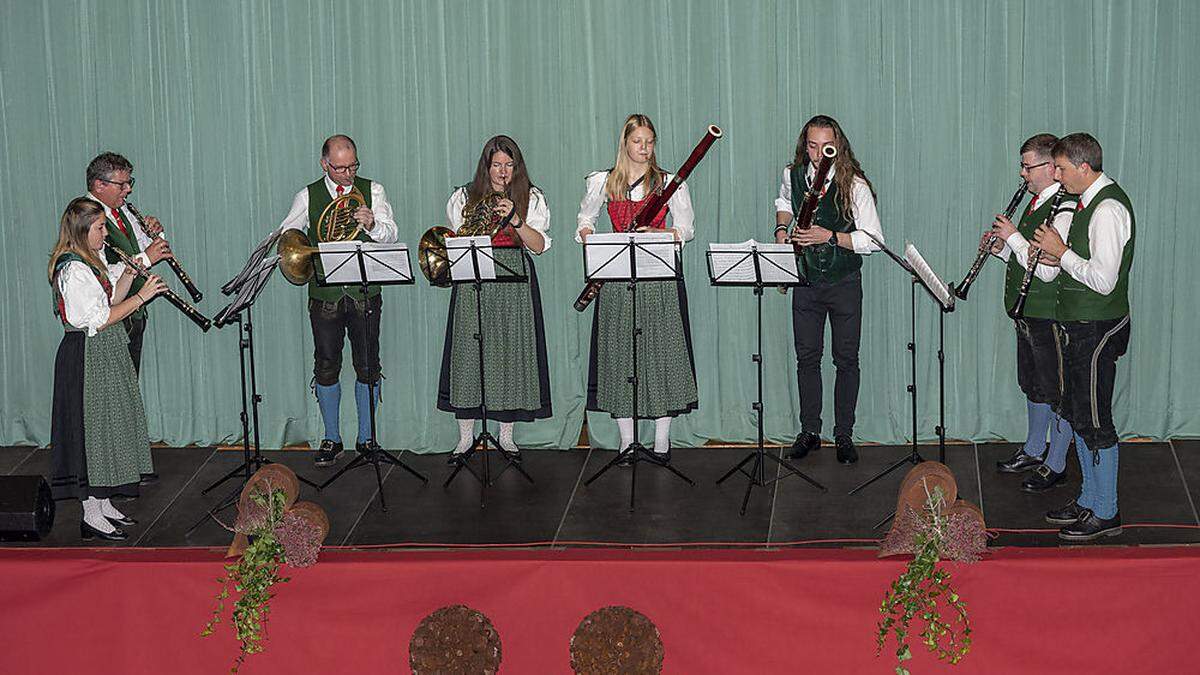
26,508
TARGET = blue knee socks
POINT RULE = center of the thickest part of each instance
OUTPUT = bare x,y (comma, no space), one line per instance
329,398
362,400
1039,415
1060,442
1099,480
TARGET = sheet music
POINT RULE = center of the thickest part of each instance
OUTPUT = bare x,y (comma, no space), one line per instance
607,258
462,267
925,272
383,262
730,262
256,256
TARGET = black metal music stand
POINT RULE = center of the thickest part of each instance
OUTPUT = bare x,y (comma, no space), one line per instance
382,273
747,269
635,453
474,275
248,285
944,307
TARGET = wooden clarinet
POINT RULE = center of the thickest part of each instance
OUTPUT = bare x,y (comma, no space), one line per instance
1034,256
172,297
184,279
654,203
985,249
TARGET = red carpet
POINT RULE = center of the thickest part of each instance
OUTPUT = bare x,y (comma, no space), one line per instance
1136,610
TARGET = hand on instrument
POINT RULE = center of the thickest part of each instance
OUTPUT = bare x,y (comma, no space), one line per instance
812,236
1003,227
153,286
363,216
503,207
997,244
158,250
1048,260
781,236
584,232
153,227
1048,239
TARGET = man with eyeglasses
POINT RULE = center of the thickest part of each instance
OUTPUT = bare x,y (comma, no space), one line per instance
1037,355
337,311
110,181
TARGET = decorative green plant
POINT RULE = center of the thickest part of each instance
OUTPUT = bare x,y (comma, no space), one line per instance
276,535
923,590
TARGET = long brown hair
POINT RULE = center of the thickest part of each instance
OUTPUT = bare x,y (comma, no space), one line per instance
518,189
73,229
845,167
621,175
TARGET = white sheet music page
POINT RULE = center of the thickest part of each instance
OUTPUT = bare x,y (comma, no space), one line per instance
607,255
462,267
777,262
383,262
923,270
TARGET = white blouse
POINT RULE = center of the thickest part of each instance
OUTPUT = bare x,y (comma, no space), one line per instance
681,213
538,217
85,303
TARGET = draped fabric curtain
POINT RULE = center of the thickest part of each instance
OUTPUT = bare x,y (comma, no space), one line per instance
222,106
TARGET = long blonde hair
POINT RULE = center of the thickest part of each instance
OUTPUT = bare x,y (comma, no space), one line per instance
73,229
621,175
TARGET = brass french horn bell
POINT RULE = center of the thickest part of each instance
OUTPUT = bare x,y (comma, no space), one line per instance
336,223
478,220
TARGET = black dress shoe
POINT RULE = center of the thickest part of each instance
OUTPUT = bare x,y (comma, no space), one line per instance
1090,527
1066,515
663,458
1043,478
456,458
328,453
805,443
846,452
513,456
148,479
367,447
1018,462
87,532
121,522
627,460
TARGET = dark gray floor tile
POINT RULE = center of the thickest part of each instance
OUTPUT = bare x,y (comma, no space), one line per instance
668,510
514,511
1187,451
11,458
802,513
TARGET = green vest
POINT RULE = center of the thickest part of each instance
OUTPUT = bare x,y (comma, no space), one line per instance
1042,296
1077,302
824,263
318,199
129,246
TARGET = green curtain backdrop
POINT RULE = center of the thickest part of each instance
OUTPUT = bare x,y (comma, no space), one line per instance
222,106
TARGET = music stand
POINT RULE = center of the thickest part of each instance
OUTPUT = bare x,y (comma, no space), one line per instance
757,265
248,284
472,262
924,277
633,257
363,264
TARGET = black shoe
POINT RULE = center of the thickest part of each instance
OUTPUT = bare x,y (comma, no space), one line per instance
1066,515
367,447
513,456
328,453
457,458
121,522
663,458
846,452
626,460
804,444
1090,527
1043,478
148,479
87,532
1018,462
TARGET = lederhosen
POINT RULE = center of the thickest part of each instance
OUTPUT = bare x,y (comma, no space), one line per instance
516,370
1037,351
98,437
666,364
1093,332
336,312
135,323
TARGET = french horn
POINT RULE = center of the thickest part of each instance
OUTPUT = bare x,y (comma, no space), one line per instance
336,223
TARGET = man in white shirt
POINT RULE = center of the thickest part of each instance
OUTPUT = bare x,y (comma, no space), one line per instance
339,311
1092,314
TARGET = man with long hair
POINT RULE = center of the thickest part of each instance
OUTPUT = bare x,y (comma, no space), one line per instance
337,311
831,262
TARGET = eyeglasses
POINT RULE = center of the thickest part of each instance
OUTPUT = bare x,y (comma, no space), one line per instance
1031,167
126,184
343,169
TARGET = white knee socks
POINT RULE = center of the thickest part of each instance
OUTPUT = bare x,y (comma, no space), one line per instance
93,514
466,434
662,434
625,426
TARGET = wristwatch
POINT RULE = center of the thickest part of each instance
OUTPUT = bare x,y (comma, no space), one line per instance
832,239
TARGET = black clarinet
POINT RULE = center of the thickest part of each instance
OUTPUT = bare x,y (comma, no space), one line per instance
1033,258
985,251
184,279
172,297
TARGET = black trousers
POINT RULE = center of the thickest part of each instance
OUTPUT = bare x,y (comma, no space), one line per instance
1090,350
841,302
1037,360
137,330
331,323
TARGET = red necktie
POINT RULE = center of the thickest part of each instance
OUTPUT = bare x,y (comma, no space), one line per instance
1033,204
120,225
1079,204
341,190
